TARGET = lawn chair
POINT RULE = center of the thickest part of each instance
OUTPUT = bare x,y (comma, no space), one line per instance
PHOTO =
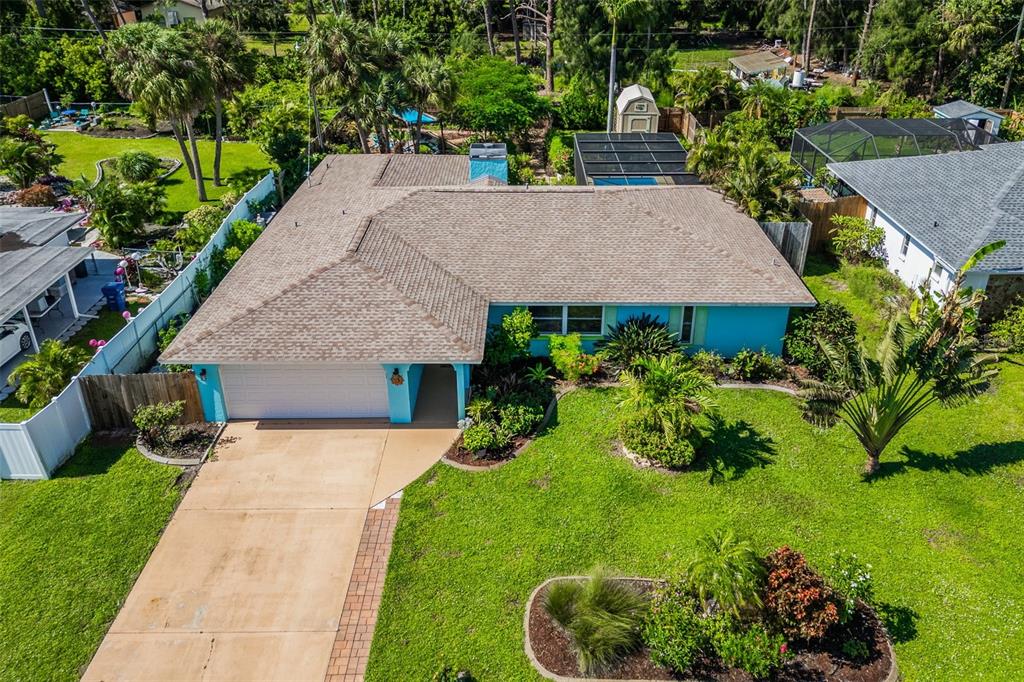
84,113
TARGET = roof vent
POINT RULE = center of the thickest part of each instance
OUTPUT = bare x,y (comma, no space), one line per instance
488,158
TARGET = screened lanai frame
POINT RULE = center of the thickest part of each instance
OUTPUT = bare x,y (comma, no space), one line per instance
883,138
629,158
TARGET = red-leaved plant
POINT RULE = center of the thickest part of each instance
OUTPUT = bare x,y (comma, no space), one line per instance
797,597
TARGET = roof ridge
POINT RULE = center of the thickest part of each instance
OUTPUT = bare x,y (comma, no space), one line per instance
997,210
379,175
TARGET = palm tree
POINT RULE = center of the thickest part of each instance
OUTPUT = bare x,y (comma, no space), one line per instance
711,157
615,11
762,185
705,89
726,573
44,375
225,54
667,391
760,96
25,160
429,83
931,355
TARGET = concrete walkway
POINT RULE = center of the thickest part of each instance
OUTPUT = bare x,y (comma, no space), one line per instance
249,579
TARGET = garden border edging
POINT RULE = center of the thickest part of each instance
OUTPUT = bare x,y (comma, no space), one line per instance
177,163
893,676
179,462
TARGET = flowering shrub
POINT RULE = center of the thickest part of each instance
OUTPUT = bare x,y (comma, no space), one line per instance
852,581
708,362
797,597
568,357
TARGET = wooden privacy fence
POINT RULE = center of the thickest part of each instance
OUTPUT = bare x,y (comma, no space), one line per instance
792,240
820,213
34,106
113,398
683,123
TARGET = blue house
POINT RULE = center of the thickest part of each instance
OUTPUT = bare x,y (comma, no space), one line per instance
372,290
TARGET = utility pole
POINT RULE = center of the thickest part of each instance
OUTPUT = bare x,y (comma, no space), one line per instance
807,38
1013,62
863,39
92,20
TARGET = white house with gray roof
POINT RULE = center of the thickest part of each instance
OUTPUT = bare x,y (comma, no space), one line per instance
937,210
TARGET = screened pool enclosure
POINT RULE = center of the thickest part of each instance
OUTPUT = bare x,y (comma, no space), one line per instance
881,138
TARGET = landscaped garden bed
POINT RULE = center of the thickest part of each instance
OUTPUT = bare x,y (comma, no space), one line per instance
162,439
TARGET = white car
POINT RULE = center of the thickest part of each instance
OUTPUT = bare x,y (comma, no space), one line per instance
14,338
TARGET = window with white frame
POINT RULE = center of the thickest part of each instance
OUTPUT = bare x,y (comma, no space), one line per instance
905,246
686,332
568,319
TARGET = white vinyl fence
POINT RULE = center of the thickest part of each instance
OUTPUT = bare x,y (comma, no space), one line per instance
34,448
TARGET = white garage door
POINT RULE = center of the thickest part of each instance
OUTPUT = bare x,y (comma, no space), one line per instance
304,391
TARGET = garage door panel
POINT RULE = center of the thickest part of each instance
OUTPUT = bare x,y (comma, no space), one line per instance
305,391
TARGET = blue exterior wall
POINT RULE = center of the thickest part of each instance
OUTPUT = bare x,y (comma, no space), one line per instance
732,328
210,393
624,312
402,397
462,376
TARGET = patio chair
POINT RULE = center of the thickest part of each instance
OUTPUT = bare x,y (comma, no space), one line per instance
84,113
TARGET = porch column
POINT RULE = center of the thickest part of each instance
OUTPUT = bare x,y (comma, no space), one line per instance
31,331
462,371
71,294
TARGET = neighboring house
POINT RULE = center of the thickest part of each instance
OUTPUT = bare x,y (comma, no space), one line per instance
182,11
938,210
383,272
630,159
986,119
636,111
762,64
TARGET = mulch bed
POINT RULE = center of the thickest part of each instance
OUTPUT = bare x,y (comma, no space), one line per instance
134,132
552,648
188,442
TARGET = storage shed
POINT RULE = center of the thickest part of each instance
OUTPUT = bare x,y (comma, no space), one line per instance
986,119
636,111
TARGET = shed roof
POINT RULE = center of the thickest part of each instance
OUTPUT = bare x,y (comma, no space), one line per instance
962,109
952,203
631,93
758,62
36,225
353,270
27,272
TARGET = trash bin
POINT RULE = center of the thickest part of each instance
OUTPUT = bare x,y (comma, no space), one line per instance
114,293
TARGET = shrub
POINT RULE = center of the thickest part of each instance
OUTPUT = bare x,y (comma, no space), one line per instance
156,422
510,340
708,362
36,195
852,582
759,365
479,436
644,438
560,154
602,616
119,210
856,240
856,650
520,419
638,337
753,649
726,572
583,105
24,160
797,597
480,409
135,165
568,357
43,375
166,335
200,224
832,323
243,234
674,630
1009,331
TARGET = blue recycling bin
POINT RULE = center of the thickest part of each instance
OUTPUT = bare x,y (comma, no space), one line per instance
114,293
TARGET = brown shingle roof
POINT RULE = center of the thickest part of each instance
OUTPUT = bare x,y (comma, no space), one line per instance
361,265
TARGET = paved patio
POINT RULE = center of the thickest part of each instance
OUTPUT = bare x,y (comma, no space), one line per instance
250,577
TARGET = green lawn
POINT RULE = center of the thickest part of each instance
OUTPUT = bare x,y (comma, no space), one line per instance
695,58
81,152
70,550
939,525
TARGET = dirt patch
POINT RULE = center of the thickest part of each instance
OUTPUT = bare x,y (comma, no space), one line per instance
137,132
188,442
551,646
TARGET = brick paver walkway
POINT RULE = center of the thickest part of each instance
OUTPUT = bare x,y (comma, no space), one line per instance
359,614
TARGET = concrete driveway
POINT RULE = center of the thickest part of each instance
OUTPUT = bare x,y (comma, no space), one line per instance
249,578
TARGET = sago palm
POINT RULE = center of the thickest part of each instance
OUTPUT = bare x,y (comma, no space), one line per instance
667,392
44,375
929,356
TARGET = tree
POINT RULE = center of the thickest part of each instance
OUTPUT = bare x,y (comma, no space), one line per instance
120,209
615,11
24,160
44,375
666,392
496,97
931,355
762,185
257,15
429,83
226,58
706,89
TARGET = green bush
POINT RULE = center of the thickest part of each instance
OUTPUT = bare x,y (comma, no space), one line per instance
119,210
727,573
510,340
583,105
638,337
166,335
200,224
479,436
43,375
829,321
851,579
519,420
760,365
856,240
480,409
675,631
753,648
603,617
569,359
708,362
1009,331
644,438
243,234
156,422
856,650
135,165
560,154
24,160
